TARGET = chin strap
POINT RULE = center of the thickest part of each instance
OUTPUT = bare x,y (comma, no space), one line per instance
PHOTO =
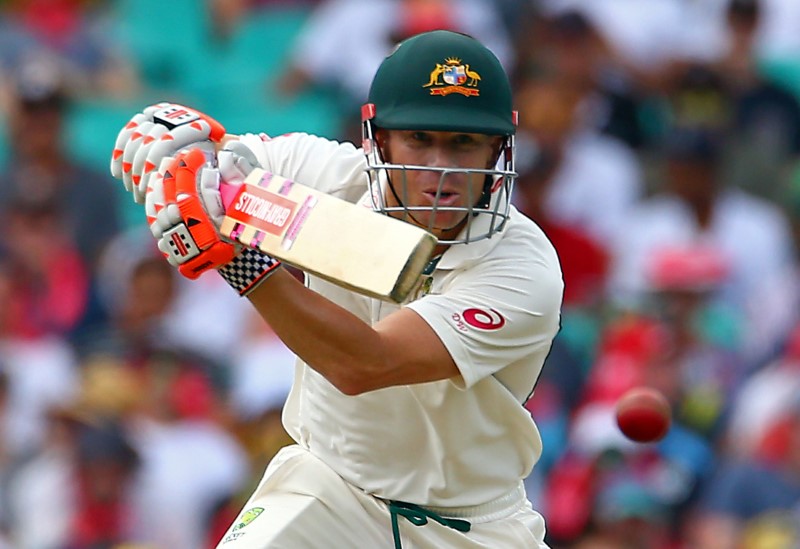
486,196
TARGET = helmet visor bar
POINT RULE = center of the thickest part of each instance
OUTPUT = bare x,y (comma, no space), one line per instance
495,201
496,180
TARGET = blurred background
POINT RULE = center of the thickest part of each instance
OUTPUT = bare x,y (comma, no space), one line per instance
658,147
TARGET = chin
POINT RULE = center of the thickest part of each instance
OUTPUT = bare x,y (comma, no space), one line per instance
448,225
443,222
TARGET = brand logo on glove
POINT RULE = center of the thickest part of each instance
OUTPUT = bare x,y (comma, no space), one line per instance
175,115
262,210
180,244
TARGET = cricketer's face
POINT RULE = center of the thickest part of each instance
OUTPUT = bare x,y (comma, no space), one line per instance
437,200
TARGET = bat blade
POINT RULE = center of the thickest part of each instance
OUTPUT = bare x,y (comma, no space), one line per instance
344,243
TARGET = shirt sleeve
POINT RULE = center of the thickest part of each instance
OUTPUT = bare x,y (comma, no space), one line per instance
322,164
495,315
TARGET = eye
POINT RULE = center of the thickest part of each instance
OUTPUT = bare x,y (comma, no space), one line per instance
465,141
420,137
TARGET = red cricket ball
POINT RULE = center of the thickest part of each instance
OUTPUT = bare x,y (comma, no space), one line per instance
643,414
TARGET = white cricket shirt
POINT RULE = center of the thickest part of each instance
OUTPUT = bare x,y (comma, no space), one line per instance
495,304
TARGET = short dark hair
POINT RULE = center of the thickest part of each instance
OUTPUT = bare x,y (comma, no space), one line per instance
38,86
744,10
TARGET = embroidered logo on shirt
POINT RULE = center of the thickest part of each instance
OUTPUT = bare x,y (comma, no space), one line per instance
479,318
249,516
484,320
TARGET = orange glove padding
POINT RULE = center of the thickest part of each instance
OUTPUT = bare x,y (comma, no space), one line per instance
193,244
187,234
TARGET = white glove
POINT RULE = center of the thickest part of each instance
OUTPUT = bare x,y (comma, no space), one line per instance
236,160
157,132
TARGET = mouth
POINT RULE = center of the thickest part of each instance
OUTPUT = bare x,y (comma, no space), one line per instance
446,198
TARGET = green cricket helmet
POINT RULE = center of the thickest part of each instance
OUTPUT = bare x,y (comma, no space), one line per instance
443,81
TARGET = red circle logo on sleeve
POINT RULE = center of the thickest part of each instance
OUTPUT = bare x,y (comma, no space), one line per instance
483,320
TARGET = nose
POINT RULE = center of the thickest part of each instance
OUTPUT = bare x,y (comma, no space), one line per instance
439,157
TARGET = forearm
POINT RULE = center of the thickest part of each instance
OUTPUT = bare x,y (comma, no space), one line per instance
327,337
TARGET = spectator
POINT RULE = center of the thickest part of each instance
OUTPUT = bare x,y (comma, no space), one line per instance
191,462
589,181
49,277
262,371
607,489
130,331
644,39
40,169
571,51
697,208
80,481
72,34
648,41
627,515
755,499
40,372
106,465
762,399
681,341
774,35
766,114
129,266
39,166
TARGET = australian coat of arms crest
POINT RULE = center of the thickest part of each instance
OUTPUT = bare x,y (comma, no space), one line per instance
453,76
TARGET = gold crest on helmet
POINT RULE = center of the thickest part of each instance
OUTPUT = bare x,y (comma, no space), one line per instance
453,76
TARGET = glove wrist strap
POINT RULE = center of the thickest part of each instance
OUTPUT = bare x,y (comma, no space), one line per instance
248,270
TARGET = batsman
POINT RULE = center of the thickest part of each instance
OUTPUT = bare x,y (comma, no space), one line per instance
408,420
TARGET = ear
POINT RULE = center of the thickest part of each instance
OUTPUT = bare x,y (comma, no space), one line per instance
382,141
381,136
497,147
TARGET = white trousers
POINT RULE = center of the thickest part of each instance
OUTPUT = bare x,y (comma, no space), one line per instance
301,503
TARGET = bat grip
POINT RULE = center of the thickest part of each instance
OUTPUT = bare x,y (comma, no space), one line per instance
228,192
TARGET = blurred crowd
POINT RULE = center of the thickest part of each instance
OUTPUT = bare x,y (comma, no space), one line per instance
658,147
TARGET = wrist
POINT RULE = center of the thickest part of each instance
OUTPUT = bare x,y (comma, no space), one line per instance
245,272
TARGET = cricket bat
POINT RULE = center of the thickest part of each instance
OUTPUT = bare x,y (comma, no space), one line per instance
343,243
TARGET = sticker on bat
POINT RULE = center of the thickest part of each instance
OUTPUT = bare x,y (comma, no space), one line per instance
298,222
262,210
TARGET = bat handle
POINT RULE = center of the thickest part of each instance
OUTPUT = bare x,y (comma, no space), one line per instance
228,192
219,145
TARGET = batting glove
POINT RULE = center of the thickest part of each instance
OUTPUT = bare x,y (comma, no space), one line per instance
158,132
184,209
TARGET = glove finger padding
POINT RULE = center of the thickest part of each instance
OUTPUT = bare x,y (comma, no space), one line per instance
191,242
140,170
209,182
167,144
161,130
159,217
236,161
154,203
131,147
117,167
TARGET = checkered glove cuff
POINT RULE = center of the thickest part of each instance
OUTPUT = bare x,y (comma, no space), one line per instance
248,269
